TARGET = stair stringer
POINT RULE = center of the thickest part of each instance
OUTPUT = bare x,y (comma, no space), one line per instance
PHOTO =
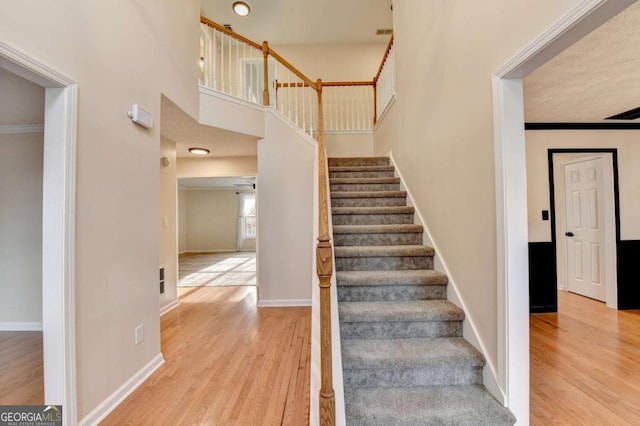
469,329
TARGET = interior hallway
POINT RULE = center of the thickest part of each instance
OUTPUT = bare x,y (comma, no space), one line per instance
585,364
226,362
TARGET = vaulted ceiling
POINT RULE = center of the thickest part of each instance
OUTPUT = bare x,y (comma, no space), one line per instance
305,21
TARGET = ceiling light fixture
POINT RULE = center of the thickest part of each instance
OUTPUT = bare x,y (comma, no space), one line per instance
199,151
241,8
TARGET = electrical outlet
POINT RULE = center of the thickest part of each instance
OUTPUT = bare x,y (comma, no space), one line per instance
139,333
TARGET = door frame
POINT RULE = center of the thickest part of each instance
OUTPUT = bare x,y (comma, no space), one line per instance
511,191
611,287
58,227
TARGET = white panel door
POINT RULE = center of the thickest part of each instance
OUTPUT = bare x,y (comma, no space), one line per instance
584,221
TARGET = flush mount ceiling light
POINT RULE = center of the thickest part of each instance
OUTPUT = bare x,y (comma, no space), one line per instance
199,151
241,8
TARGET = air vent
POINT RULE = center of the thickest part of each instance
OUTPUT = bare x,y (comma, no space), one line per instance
161,280
228,26
384,31
632,114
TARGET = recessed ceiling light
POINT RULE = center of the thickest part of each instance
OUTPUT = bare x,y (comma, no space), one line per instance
199,151
241,8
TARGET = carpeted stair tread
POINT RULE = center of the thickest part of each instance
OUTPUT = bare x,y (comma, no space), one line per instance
368,194
376,229
385,278
463,405
336,181
409,353
371,210
384,251
399,311
361,169
357,161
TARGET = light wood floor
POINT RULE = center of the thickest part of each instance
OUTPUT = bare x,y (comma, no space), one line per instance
585,364
216,269
21,373
227,363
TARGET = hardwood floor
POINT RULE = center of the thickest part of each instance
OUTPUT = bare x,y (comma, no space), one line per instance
21,373
227,362
585,364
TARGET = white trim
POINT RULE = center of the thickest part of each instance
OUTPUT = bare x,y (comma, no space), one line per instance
58,230
205,251
9,129
470,332
209,91
283,303
20,326
307,138
349,132
511,201
113,400
169,306
386,110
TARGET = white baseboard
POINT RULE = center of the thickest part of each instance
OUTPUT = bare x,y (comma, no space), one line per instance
169,306
20,326
204,251
109,404
283,303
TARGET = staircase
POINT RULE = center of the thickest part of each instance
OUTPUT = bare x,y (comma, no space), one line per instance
404,359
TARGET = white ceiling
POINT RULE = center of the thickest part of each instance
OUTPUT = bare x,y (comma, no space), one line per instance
597,77
179,127
239,183
305,21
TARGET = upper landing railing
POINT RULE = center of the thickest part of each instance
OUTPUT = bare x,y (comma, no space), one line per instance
239,67
242,68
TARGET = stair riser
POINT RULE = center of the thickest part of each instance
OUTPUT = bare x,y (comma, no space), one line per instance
368,202
372,219
405,238
354,187
408,377
392,292
356,162
400,329
355,174
386,263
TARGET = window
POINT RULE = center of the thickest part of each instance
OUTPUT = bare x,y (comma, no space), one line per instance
247,224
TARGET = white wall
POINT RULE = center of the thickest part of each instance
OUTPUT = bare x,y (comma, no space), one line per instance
336,62
446,53
182,221
217,166
168,221
349,144
22,102
625,141
211,218
21,227
285,213
117,235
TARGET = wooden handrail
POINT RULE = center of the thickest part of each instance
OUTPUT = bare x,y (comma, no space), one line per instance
324,269
384,59
229,32
293,69
347,83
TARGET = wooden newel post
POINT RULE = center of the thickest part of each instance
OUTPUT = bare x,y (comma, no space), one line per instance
265,55
324,269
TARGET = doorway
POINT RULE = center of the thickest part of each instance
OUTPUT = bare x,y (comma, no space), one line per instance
58,226
585,221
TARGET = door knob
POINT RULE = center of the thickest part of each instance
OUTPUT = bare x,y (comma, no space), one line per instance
569,234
